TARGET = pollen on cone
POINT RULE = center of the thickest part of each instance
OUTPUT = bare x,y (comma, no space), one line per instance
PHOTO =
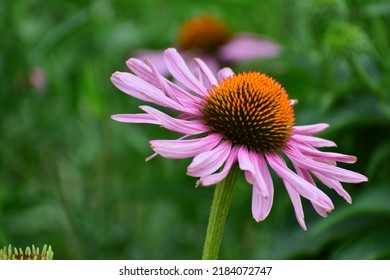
250,109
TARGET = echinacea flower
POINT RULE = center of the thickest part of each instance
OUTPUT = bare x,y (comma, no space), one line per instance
207,37
245,119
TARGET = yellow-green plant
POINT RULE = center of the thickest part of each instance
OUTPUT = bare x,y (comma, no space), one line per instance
13,253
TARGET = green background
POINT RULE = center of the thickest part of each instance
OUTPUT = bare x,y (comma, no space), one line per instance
73,178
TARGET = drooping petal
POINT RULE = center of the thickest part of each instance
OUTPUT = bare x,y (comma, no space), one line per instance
303,187
210,161
185,148
297,204
257,201
186,127
333,184
259,183
320,210
218,177
135,118
331,171
246,164
257,174
314,141
261,206
249,163
179,70
306,175
311,129
247,46
324,156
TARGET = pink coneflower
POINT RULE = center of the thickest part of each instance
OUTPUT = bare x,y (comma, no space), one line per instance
245,119
208,37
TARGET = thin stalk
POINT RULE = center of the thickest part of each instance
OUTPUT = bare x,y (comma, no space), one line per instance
218,213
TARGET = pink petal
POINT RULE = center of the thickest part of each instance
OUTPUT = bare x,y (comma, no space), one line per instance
249,163
207,72
139,68
138,88
320,210
247,46
135,118
157,59
303,187
182,73
261,170
306,175
297,204
327,170
185,148
162,83
310,129
211,63
182,126
261,206
218,177
333,184
246,164
225,73
148,73
313,141
325,156
123,82
208,162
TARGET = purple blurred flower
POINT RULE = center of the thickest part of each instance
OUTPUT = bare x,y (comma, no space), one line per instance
245,119
207,37
38,79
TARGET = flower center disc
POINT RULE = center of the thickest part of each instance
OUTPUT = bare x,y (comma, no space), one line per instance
202,32
250,109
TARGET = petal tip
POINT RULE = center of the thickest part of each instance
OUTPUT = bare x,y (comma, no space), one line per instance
171,51
301,222
115,117
257,219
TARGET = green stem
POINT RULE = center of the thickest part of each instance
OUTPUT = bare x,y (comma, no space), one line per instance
218,213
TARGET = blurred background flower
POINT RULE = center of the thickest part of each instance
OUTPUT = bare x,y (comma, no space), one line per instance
208,38
64,181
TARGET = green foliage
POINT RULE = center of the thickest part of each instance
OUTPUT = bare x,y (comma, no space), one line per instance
72,177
